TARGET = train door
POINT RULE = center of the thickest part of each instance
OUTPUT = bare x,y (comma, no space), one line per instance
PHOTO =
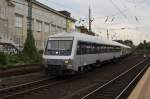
78,59
122,51
81,58
80,54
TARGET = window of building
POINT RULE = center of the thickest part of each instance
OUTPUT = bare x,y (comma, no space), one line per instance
53,29
19,21
46,28
17,40
39,26
3,12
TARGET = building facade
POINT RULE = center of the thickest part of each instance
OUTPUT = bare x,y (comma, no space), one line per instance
46,21
6,21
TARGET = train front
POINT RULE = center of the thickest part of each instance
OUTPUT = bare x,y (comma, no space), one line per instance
57,57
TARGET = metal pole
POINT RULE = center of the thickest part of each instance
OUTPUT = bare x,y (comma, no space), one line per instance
144,48
107,34
29,16
89,19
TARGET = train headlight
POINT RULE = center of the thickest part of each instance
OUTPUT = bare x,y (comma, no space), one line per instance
66,61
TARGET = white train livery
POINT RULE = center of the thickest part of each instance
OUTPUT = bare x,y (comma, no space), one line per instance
73,52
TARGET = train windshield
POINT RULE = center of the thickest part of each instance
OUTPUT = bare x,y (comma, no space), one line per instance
59,47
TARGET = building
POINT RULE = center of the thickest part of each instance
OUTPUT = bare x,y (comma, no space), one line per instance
70,23
46,21
6,21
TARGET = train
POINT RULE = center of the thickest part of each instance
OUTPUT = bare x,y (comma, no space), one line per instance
70,53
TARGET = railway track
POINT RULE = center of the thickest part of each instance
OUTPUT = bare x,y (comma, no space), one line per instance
14,92
19,90
19,70
120,86
33,87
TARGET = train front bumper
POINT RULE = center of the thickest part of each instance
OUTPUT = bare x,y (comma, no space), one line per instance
58,63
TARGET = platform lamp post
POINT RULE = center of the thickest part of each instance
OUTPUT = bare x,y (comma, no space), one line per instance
144,48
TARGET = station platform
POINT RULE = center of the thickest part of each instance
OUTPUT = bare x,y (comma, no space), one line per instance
142,89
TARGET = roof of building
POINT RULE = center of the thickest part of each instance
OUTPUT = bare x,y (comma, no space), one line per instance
85,37
65,13
53,10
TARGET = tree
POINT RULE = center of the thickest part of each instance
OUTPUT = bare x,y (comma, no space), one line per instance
140,46
128,42
30,52
144,47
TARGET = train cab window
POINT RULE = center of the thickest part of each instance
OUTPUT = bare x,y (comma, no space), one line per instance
59,47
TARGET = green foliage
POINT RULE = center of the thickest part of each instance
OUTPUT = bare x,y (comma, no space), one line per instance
126,42
41,52
143,47
15,59
30,53
3,59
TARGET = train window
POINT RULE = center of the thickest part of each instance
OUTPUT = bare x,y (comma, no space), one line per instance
83,48
104,49
93,48
79,48
97,48
100,48
90,52
88,48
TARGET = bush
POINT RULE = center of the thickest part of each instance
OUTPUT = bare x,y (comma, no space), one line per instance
41,52
15,59
3,58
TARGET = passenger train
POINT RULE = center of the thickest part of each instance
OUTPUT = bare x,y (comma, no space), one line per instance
68,53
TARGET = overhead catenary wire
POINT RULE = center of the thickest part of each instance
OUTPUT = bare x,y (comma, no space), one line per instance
117,8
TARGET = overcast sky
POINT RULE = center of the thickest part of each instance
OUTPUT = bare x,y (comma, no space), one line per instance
126,19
